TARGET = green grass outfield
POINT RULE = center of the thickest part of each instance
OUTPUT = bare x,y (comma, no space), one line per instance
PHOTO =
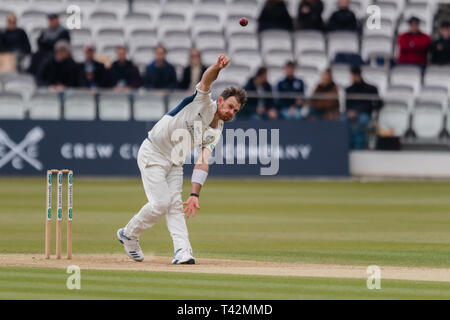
26,283
353,223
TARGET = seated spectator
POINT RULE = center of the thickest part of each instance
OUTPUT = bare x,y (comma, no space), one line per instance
14,39
275,15
258,103
160,74
290,108
61,71
93,74
440,49
359,111
413,45
310,15
192,74
343,19
324,102
46,42
125,75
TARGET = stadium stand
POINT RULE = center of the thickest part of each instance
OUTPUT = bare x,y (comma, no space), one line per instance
414,101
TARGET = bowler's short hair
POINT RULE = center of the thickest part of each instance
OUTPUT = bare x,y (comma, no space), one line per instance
238,93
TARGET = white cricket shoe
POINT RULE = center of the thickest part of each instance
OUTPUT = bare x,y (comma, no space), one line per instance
183,256
132,247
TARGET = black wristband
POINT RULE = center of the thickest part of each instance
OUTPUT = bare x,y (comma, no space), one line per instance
195,195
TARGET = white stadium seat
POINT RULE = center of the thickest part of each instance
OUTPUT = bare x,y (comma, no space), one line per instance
80,106
248,57
177,39
277,58
275,40
179,56
310,76
22,84
274,74
342,41
341,75
407,76
12,106
209,56
309,40
45,106
437,76
317,59
376,76
236,73
386,28
114,107
148,107
135,20
81,36
210,40
377,46
242,41
428,119
394,116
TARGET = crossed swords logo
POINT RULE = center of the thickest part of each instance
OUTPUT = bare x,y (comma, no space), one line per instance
18,150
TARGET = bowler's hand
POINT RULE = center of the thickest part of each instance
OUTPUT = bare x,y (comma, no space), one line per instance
191,205
222,61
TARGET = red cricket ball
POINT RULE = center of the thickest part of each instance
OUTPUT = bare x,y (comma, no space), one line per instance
243,22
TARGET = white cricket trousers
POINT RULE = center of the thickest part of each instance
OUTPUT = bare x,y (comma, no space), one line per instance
163,183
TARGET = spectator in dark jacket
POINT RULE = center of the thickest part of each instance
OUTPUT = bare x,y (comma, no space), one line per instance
125,75
414,45
290,108
46,42
160,74
310,15
61,71
14,39
275,16
343,19
93,74
324,102
258,103
440,49
192,74
359,110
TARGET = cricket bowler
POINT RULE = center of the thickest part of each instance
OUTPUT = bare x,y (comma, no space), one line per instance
161,166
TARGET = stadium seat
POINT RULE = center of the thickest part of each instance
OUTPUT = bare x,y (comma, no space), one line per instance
342,41
12,106
376,46
81,36
404,94
22,84
210,40
78,53
407,76
248,57
177,39
341,75
232,25
119,7
437,76
149,107
275,40
202,19
109,38
236,73
101,19
242,41
45,106
309,40
245,8
274,74
394,116
15,6
317,59
310,76
79,105
209,56
277,58
151,7
143,55
48,5
376,76
139,38
179,56
427,119
114,107
32,18
136,20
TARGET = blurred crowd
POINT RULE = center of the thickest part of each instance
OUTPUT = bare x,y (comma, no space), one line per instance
53,66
